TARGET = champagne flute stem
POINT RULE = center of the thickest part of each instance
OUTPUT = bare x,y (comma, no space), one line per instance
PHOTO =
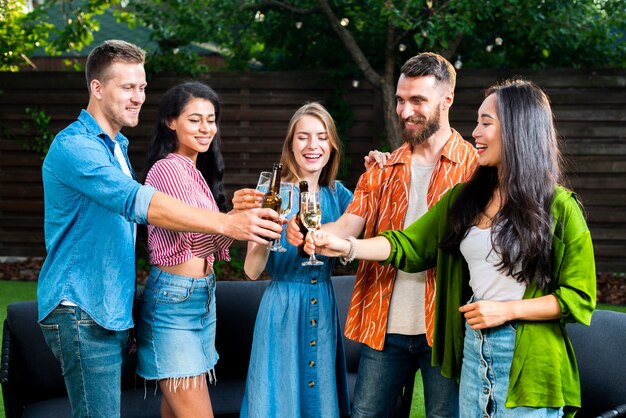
312,258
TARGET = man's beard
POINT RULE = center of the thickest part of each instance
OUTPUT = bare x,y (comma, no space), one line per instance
418,136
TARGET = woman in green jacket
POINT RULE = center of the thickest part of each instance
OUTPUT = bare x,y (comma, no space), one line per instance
514,262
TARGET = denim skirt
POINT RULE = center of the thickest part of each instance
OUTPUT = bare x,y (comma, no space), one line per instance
487,357
176,327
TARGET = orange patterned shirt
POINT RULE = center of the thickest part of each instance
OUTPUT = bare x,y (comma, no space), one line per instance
381,198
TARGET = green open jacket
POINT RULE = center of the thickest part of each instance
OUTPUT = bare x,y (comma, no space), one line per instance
544,371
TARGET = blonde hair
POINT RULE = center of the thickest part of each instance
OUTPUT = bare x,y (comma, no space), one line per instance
291,170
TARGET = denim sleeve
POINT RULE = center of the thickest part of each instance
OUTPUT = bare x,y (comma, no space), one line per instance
142,202
85,165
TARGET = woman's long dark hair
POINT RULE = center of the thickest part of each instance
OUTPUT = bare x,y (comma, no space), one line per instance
164,141
530,171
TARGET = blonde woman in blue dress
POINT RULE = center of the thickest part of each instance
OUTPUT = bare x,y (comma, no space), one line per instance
297,365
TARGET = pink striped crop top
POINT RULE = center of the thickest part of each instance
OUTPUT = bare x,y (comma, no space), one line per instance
178,177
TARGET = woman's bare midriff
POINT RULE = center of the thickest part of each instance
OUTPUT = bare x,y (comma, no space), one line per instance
194,267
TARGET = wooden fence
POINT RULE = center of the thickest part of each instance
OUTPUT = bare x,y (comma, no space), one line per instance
590,108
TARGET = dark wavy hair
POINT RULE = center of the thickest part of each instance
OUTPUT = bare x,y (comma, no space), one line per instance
164,141
430,63
529,173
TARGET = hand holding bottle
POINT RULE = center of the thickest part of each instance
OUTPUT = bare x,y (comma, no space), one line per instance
295,236
256,225
272,198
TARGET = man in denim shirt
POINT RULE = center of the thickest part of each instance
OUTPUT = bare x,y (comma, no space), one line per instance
92,203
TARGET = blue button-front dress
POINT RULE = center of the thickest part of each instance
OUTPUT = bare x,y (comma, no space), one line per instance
297,365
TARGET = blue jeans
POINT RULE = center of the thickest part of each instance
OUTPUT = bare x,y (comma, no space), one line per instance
176,327
487,357
91,360
382,374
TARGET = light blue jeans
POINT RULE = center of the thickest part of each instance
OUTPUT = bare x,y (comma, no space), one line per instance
91,360
383,373
487,357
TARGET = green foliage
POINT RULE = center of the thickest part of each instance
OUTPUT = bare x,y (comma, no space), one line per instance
174,61
234,267
23,31
20,35
39,131
548,34
177,27
142,264
534,33
294,34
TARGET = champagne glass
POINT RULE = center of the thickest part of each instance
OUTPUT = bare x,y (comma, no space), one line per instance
286,204
263,185
311,216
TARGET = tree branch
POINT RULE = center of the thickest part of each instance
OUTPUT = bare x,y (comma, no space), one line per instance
348,40
25,58
448,52
404,35
441,8
427,12
407,3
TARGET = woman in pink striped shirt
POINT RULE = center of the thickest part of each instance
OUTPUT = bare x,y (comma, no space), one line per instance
176,324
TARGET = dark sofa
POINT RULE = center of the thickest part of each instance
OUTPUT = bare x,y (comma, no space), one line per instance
601,355
32,385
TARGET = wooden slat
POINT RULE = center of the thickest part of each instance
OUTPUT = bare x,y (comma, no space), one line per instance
609,234
592,147
27,191
25,237
22,221
607,165
17,206
22,250
609,250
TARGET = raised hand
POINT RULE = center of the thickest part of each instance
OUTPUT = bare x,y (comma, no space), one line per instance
294,236
244,199
256,225
376,157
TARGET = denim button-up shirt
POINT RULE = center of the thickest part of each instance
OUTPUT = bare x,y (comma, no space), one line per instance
90,210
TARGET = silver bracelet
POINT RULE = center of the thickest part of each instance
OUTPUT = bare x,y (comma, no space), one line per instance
351,254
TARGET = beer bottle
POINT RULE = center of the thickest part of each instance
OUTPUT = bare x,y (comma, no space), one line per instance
272,198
